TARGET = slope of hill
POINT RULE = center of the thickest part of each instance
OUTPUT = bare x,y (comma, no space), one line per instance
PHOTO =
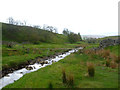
30,34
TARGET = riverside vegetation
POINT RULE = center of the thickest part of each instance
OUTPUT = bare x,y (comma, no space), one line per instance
22,44
86,68
76,71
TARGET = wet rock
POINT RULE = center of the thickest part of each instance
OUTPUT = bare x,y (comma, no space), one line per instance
7,76
29,68
53,61
60,56
49,59
32,62
41,62
53,56
34,67
12,69
46,62
38,59
21,72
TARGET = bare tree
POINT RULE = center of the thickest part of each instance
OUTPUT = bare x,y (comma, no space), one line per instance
11,20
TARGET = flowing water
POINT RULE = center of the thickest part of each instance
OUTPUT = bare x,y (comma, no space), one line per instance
11,77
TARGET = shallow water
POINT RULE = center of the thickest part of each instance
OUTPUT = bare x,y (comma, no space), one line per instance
11,77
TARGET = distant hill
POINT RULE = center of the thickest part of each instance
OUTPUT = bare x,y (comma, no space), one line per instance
93,36
110,37
99,36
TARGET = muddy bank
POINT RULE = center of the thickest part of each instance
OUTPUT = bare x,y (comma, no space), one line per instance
41,60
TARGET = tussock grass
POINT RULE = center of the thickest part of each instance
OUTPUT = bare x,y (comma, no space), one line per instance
67,79
108,63
113,65
91,69
70,80
105,53
64,79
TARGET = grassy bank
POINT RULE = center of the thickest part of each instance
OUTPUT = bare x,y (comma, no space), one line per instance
30,34
21,53
74,65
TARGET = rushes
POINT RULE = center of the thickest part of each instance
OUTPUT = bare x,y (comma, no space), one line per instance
105,53
91,69
70,80
67,80
111,60
64,80
108,63
113,65
102,53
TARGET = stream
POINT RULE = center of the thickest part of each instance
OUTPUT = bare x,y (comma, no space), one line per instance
12,77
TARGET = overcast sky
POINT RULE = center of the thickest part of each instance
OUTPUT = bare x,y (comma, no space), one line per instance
89,17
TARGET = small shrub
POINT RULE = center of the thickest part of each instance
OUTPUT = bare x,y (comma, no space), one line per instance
64,80
108,63
91,69
70,80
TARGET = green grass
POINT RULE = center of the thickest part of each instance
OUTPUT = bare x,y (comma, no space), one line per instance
75,64
111,37
17,54
114,49
92,45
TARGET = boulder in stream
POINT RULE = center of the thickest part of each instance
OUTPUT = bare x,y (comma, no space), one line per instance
29,67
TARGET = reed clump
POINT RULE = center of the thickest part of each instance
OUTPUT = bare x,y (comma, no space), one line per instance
108,63
64,79
70,80
91,69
